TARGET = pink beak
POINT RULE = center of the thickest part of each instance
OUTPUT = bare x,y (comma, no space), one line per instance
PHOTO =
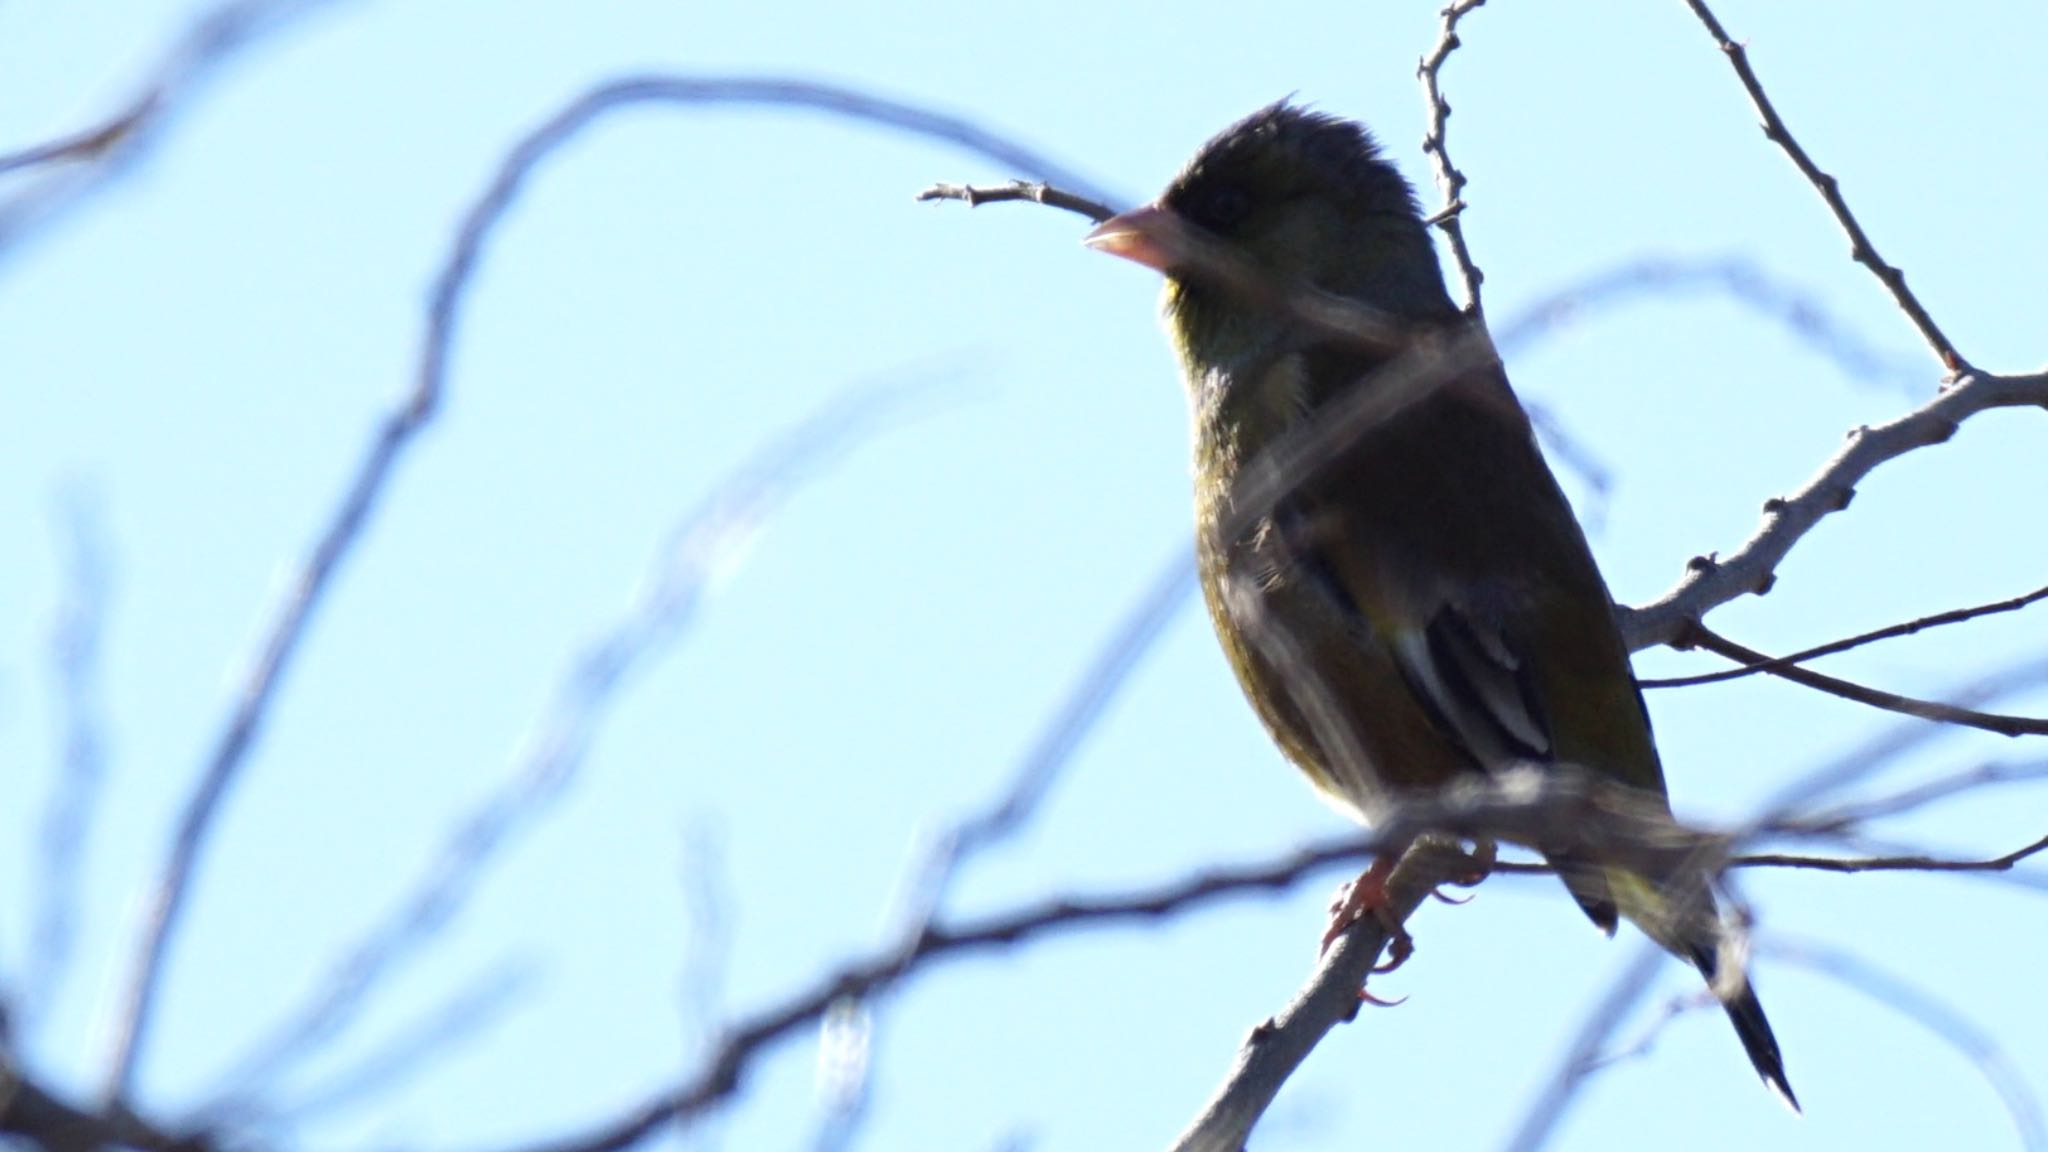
1148,236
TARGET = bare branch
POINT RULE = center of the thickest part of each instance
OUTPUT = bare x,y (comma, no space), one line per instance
69,169
1449,180
1751,569
699,551
2003,863
1910,627
75,664
1830,189
1968,780
1701,636
923,893
1802,315
1037,192
1894,741
1593,818
400,428
389,1065
35,1115
1585,1056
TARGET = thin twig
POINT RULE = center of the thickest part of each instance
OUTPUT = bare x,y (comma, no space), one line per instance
1910,627
1449,180
1830,189
699,552
1584,1058
67,170
429,1036
1703,637
923,892
2004,863
400,428
74,801
1806,790
1035,191
1969,780
1804,316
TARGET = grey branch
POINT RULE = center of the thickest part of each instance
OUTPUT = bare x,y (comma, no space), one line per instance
1750,569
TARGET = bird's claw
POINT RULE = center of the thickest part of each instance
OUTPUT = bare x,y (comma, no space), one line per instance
1400,946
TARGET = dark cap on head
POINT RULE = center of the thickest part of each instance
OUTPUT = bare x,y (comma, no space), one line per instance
1282,152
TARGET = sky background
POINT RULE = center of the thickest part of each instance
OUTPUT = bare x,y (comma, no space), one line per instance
199,355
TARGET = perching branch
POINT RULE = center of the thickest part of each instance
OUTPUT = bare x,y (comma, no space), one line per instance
1594,818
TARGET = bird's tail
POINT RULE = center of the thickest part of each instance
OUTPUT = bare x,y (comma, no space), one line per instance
1746,1012
1680,916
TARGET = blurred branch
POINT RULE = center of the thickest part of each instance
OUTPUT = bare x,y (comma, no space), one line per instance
1584,1057
431,1037
1589,817
1910,627
1804,316
1896,740
1860,248
1973,779
75,665
400,428
1972,1042
1699,635
707,956
67,170
699,552
43,1120
1037,192
1751,569
1449,180
925,887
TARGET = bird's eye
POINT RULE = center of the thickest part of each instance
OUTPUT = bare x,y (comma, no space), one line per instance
1222,208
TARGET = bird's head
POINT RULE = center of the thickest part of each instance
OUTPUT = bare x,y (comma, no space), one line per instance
1305,198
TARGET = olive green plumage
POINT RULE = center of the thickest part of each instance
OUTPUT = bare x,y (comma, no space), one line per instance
1429,587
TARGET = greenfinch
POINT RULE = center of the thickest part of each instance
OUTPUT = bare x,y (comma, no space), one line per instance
1420,604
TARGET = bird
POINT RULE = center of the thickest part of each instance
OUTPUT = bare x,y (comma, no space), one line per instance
1417,605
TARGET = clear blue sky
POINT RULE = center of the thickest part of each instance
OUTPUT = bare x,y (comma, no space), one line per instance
204,349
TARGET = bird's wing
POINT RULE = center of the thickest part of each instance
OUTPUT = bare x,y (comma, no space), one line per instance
1475,685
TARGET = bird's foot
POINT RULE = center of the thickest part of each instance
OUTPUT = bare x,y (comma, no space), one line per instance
1367,896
